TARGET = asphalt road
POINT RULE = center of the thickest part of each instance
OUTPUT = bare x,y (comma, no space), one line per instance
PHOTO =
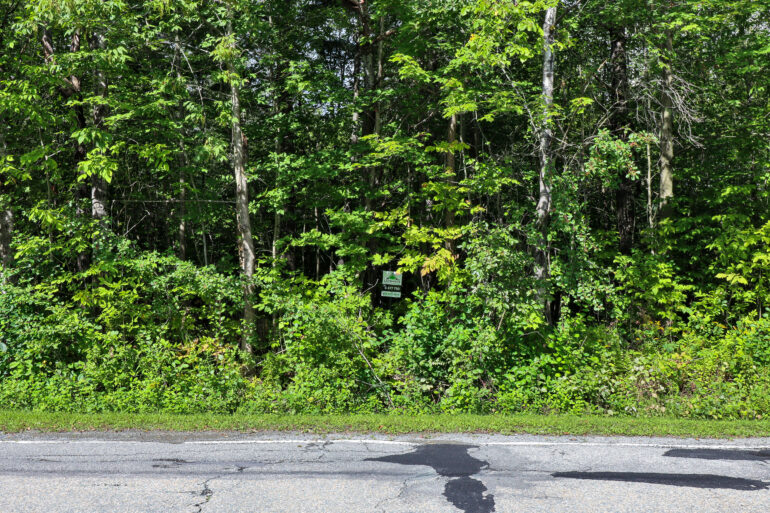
221,472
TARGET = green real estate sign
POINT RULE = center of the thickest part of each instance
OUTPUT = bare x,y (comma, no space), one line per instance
391,284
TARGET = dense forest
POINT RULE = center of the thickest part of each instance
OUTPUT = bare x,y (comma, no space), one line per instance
200,201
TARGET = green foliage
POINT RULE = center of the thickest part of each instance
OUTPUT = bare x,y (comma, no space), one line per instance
325,356
146,333
651,289
393,136
744,264
613,157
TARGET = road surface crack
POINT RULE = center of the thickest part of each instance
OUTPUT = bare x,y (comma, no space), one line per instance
206,493
405,484
322,449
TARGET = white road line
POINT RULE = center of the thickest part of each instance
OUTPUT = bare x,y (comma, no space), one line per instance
400,443
208,442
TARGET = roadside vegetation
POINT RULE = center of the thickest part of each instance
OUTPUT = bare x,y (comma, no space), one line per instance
198,201
106,424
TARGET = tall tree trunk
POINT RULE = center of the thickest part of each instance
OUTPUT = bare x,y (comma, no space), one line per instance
72,88
625,197
368,122
276,236
451,169
246,251
278,143
542,251
380,74
98,184
667,131
277,76
82,193
650,213
356,116
6,212
372,122
6,234
182,227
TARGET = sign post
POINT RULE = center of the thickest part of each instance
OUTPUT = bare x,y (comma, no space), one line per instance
391,284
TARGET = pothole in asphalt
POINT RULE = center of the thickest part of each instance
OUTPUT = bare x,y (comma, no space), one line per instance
709,481
720,454
454,462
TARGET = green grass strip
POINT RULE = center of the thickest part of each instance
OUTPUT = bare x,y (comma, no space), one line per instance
18,421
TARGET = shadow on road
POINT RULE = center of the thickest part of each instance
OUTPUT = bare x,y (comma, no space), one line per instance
710,481
453,461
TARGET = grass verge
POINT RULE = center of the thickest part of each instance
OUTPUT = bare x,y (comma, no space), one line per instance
17,421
